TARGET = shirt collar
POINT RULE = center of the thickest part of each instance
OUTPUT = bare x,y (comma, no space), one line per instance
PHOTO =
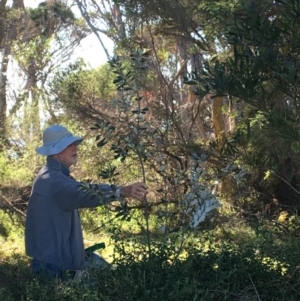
55,164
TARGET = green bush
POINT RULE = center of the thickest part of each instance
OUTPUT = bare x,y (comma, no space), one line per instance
209,271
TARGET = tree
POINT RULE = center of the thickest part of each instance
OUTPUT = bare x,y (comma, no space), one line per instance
263,73
9,33
239,39
52,34
176,47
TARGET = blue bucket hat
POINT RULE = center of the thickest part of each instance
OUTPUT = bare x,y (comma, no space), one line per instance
55,139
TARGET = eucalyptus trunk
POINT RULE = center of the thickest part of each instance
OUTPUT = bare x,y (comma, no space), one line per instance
3,103
8,34
217,119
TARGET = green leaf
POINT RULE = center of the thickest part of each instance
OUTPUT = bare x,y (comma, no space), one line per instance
102,142
191,82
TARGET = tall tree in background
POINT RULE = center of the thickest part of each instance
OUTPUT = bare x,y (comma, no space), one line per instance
10,30
39,40
53,38
51,35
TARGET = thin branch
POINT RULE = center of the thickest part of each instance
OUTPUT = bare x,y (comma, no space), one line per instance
93,28
10,205
254,287
285,181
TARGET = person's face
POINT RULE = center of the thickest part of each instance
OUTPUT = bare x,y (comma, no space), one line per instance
68,156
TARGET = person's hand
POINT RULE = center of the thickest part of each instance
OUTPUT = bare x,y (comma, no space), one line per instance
137,191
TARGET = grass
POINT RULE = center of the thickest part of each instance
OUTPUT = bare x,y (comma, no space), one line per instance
11,235
227,259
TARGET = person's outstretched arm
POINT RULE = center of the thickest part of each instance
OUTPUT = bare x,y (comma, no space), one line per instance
136,190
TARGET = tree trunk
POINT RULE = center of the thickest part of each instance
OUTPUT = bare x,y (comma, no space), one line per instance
217,119
227,184
8,34
3,104
232,118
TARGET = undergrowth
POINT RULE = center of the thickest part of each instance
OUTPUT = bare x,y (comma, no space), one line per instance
217,265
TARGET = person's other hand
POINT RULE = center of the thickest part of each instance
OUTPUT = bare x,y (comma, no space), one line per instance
136,190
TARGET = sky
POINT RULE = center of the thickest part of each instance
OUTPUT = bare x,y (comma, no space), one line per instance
91,51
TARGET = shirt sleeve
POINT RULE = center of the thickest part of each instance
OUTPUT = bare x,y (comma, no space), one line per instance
68,195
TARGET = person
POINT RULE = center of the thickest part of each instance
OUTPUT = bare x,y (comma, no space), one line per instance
53,234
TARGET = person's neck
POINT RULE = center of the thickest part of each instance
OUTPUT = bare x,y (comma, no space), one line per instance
58,165
55,157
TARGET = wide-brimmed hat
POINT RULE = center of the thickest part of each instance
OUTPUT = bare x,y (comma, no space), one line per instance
55,139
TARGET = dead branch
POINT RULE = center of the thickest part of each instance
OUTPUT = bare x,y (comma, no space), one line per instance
11,206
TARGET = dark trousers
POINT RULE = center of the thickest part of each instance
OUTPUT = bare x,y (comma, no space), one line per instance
50,271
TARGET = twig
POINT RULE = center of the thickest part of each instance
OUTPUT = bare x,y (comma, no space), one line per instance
285,181
86,17
108,222
254,287
7,202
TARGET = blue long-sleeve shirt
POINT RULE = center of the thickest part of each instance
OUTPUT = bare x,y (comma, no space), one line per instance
53,231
